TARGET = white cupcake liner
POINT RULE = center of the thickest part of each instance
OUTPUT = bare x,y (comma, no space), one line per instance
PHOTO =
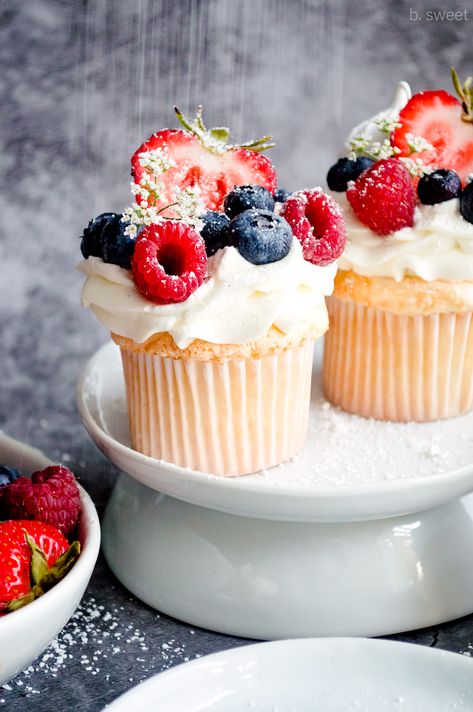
227,417
398,367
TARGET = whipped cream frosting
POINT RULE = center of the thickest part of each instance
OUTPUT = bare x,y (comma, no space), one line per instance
438,246
238,303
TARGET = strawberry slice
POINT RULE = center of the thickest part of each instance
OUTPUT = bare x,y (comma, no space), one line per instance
204,159
436,116
33,557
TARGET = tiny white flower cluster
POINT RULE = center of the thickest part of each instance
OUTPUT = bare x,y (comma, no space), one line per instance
377,150
357,146
417,143
373,149
156,161
415,166
387,124
187,204
139,215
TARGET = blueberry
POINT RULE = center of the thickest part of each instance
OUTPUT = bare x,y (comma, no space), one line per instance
244,197
118,247
345,170
7,475
466,203
215,231
439,186
91,245
281,195
260,236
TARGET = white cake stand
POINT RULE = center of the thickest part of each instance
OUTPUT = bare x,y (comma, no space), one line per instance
368,532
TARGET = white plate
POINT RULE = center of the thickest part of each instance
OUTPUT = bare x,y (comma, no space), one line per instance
326,675
25,633
350,469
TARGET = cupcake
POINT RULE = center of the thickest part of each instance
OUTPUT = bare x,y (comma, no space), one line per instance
212,302
400,345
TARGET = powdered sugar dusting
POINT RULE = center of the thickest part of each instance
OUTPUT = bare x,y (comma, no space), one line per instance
344,449
351,450
95,636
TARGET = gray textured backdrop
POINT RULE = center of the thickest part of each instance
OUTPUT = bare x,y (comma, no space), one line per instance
83,83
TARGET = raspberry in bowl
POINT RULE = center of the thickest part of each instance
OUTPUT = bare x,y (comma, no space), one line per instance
217,308
400,345
44,567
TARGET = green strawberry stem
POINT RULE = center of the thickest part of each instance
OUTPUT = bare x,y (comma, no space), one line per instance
465,93
215,140
42,577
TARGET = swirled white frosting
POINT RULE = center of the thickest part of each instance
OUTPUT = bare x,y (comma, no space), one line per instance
238,303
438,246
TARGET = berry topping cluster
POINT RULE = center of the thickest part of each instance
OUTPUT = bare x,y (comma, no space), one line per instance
37,517
196,194
427,156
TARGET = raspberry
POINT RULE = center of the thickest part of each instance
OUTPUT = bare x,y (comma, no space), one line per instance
50,496
169,262
317,222
383,197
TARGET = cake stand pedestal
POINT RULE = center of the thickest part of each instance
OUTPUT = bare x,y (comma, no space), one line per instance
270,556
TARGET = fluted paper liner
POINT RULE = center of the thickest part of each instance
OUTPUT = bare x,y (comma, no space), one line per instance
226,417
398,367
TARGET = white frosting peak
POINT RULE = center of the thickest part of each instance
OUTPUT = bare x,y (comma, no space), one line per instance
238,303
368,128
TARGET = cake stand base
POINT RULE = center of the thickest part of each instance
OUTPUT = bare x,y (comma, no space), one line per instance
266,579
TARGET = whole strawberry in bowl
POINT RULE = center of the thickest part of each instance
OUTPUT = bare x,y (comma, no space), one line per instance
33,557
43,571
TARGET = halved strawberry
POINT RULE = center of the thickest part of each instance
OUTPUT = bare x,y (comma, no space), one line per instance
33,557
204,159
436,116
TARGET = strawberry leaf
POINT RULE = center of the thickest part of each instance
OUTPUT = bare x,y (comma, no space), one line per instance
38,564
465,94
220,133
215,140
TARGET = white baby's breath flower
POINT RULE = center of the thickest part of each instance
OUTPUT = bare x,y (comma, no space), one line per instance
357,146
151,207
362,146
415,166
156,160
418,143
387,124
188,204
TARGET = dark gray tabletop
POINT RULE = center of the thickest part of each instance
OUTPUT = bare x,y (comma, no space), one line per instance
82,84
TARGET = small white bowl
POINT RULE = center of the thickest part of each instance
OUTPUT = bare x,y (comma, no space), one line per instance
25,633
